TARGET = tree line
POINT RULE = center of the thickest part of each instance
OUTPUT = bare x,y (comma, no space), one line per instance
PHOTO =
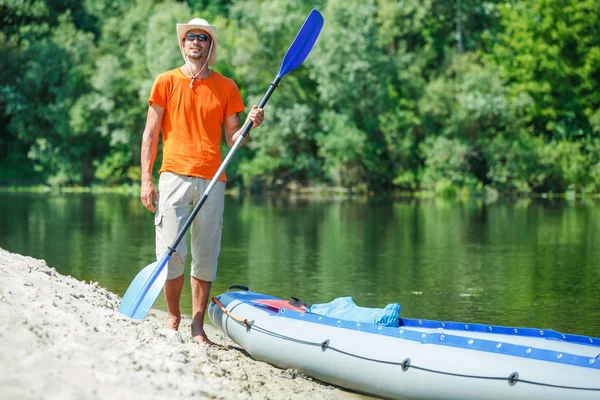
457,97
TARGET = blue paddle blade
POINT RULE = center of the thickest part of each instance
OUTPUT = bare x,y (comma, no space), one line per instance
303,43
144,289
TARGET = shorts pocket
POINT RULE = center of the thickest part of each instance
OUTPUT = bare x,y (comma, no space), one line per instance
158,217
166,178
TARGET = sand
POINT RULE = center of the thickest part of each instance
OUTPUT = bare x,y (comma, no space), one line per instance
61,338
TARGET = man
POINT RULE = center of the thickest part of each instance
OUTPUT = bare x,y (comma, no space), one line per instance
190,105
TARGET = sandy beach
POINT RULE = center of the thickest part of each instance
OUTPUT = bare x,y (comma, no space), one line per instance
61,338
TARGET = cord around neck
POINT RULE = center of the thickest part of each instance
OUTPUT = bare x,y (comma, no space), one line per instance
201,69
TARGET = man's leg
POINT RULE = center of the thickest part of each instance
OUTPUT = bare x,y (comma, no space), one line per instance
206,244
174,198
200,291
172,290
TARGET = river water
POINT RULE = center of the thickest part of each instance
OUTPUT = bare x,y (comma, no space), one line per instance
518,263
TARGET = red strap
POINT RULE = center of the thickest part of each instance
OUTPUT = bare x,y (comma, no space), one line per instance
280,304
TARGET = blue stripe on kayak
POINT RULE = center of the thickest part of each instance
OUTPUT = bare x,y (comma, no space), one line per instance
444,339
502,330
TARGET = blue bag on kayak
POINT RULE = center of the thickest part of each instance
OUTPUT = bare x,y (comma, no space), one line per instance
345,308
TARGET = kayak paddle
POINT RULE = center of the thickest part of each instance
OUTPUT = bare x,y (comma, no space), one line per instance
148,283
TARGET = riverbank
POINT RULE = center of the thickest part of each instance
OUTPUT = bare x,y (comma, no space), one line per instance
61,338
333,192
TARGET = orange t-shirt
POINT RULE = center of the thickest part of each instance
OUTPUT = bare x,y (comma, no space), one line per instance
192,125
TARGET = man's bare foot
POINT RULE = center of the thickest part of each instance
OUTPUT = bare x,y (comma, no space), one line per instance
200,336
204,340
172,322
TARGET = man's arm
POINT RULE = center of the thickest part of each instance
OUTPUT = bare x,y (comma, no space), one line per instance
148,192
232,124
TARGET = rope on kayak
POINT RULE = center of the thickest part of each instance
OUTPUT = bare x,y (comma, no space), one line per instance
242,321
512,379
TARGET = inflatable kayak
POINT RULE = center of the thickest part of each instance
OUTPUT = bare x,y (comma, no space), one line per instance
419,359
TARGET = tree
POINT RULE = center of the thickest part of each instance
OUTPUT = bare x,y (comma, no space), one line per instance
252,47
550,49
51,74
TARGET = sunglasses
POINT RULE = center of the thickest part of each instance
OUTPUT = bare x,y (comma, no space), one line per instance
203,37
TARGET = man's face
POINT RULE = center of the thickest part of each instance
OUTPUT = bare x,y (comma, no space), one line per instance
193,45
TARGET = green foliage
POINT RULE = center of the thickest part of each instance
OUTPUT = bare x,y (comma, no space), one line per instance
342,146
252,45
112,169
50,80
460,98
445,188
446,160
592,150
512,161
551,50
348,47
161,41
282,148
595,121
16,14
207,9
470,101
563,165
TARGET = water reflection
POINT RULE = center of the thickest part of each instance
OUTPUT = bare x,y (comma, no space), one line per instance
525,263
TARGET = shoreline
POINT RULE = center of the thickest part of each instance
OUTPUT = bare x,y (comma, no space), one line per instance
64,338
326,192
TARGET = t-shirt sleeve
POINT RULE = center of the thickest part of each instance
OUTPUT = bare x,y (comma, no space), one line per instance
159,94
234,102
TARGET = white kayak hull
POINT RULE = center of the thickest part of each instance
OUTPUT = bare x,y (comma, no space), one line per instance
417,361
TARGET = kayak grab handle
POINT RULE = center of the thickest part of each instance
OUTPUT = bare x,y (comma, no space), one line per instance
242,321
236,286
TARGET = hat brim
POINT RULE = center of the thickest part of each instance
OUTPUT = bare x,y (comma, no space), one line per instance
182,29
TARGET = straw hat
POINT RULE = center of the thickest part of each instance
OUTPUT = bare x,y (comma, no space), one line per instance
198,23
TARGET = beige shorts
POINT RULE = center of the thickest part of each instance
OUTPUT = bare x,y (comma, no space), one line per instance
177,196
